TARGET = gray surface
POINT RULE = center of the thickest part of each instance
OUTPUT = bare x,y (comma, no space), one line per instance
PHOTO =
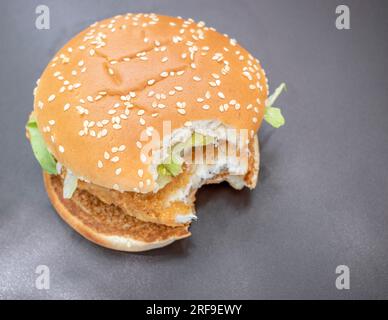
322,198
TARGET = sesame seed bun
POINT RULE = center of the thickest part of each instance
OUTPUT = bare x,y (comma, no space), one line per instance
123,75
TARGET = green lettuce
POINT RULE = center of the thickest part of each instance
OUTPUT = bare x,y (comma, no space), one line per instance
272,114
172,166
44,157
69,184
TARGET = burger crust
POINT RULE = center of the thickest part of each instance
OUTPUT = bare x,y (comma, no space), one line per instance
129,73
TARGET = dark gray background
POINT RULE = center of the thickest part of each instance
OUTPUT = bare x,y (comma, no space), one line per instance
322,198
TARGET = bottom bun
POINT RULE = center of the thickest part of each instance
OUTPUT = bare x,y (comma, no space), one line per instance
110,226
107,225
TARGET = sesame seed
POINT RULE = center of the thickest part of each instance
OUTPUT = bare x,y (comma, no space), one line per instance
182,111
247,74
140,173
106,155
206,107
104,132
100,164
61,149
115,159
143,158
118,171
178,88
221,95
51,98
150,82
196,78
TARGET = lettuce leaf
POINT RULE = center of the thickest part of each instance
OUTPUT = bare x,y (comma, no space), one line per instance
198,140
44,157
273,115
69,185
172,166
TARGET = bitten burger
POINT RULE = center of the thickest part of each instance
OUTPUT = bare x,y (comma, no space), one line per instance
137,112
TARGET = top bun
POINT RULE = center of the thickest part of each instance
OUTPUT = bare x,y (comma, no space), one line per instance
123,75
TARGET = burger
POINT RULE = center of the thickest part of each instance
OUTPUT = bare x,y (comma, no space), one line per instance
137,112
